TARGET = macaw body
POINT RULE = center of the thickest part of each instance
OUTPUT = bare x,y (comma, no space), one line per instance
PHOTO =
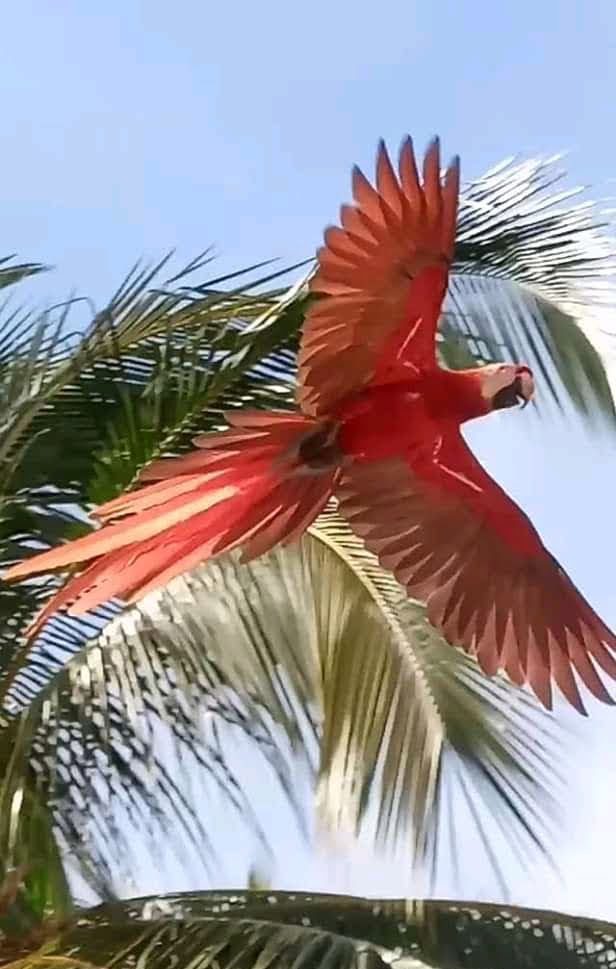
391,419
378,425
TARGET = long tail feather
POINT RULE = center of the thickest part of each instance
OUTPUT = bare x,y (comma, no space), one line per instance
250,487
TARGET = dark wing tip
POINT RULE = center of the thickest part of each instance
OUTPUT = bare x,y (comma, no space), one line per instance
382,155
359,183
433,149
577,704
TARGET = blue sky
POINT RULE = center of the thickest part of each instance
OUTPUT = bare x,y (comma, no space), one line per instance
129,128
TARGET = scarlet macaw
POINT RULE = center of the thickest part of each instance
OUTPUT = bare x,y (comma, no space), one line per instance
378,426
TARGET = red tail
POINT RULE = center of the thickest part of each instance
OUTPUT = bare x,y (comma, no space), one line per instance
260,483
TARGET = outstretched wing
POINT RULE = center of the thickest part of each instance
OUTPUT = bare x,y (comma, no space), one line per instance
454,539
383,277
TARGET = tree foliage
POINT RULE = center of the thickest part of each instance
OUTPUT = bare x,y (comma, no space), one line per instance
290,929
311,653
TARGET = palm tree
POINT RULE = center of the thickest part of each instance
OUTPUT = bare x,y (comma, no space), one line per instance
312,654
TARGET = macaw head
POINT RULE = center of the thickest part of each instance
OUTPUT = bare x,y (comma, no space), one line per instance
506,384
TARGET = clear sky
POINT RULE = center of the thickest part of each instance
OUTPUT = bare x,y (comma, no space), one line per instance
132,127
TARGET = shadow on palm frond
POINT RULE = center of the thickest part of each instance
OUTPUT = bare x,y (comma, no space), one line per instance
248,929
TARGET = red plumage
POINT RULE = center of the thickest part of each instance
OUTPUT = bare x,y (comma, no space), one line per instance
379,426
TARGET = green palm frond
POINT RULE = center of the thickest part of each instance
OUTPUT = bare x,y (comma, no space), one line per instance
438,717
291,929
12,273
104,749
533,281
78,428
28,845
316,656
68,377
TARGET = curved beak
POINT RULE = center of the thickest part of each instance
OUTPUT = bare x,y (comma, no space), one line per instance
524,385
